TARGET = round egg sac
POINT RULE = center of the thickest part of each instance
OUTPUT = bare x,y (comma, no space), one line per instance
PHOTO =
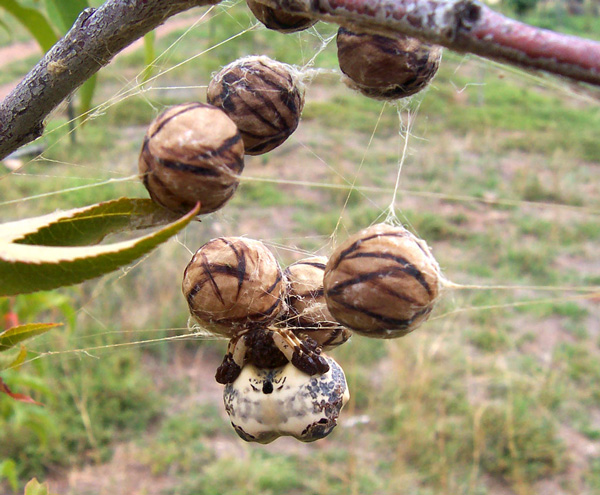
382,282
263,97
307,313
232,284
386,68
279,20
191,153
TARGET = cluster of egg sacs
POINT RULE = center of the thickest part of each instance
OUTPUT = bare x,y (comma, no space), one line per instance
236,288
381,282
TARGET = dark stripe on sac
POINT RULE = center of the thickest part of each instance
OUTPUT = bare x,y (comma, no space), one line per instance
207,269
188,107
345,32
252,318
355,245
315,264
186,167
267,104
407,267
241,263
228,143
192,293
228,92
227,81
426,253
268,135
164,192
229,270
284,98
266,313
388,46
268,144
205,155
335,333
368,277
386,320
290,101
275,284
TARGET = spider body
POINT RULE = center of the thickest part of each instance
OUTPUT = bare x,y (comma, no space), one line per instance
269,348
266,403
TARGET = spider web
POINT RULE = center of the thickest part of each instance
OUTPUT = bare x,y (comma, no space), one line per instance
320,186
311,44
345,183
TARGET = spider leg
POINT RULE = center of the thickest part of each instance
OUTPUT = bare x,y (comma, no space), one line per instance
301,354
232,364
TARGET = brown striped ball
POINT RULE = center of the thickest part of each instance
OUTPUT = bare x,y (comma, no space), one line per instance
382,282
307,313
263,97
386,68
279,20
233,284
191,152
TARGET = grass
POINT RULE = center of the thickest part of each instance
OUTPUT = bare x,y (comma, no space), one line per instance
476,402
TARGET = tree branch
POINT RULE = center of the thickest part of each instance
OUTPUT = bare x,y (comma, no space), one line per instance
463,26
95,38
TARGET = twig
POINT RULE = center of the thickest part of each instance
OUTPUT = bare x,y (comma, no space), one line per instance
463,26
95,38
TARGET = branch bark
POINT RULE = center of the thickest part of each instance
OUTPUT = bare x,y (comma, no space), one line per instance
96,36
464,26
461,25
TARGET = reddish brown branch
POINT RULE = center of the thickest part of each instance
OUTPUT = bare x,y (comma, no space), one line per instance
463,26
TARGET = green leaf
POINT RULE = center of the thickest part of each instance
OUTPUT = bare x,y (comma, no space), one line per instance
8,471
86,96
88,225
15,335
34,487
28,268
63,13
34,21
14,361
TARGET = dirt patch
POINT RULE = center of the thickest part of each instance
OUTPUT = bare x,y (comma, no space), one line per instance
124,474
549,333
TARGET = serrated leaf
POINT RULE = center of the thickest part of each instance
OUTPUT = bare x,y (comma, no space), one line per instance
13,336
34,21
88,225
63,13
28,268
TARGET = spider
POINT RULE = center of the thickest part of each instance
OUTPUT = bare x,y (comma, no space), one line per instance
270,347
